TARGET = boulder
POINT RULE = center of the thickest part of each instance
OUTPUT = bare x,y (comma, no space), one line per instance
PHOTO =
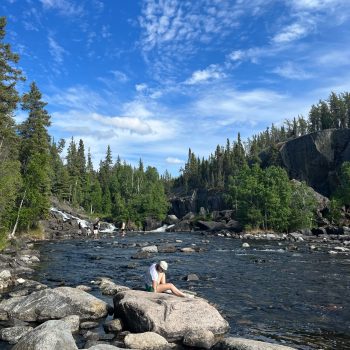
199,339
191,277
234,226
150,249
147,340
233,343
108,287
245,245
14,334
113,326
51,335
181,226
54,304
104,347
187,250
151,224
73,321
89,325
210,225
167,315
189,216
171,220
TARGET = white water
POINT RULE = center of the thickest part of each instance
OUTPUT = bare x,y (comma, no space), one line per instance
162,228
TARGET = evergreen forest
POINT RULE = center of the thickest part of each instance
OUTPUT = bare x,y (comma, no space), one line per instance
32,168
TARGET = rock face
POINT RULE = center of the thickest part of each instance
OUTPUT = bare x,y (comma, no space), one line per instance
14,334
315,158
54,304
51,335
167,315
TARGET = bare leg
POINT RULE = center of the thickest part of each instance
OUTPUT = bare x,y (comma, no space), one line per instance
161,278
163,287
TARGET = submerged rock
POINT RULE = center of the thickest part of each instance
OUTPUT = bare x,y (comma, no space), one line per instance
167,315
54,304
51,335
233,343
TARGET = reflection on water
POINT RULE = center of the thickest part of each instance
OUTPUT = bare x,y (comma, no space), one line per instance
265,292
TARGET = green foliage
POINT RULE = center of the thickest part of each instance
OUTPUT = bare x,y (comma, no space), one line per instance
342,195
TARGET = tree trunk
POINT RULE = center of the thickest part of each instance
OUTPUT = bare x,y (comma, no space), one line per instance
12,234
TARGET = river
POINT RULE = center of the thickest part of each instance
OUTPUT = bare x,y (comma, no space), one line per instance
266,292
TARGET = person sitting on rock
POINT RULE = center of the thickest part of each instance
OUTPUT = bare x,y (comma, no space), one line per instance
155,280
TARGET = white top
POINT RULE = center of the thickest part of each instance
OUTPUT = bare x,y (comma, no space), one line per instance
151,275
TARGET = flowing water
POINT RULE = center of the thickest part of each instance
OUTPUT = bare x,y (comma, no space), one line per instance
266,292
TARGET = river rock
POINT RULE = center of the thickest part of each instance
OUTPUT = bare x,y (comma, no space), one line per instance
55,303
233,343
104,347
113,326
167,249
187,250
14,334
84,288
181,226
88,325
73,321
171,219
51,335
191,277
245,245
150,249
167,315
147,340
108,287
199,339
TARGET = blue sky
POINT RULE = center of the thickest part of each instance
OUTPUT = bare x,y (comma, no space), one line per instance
153,78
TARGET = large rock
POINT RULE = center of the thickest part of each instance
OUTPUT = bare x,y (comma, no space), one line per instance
104,347
211,225
181,226
151,224
316,158
108,287
54,304
171,220
14,334
233,343
51,335
199,339
167,315
147,340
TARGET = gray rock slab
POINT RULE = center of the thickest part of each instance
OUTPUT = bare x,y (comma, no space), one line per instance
14,334
167,315
55,304
51,335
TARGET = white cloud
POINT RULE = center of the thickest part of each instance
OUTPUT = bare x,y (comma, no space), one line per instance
236,55
173,160
57,51
64,7
140,87
132,124
291,71
120,76
201,76
290,33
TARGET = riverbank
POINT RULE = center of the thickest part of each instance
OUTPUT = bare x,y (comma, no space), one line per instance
258,288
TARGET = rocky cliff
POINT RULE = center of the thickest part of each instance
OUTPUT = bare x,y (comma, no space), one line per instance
316,158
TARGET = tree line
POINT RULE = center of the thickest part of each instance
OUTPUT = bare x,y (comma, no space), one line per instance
32,168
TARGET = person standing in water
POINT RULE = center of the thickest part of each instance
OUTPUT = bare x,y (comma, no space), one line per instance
156,281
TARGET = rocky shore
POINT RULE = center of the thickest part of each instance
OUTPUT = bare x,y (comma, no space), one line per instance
34,316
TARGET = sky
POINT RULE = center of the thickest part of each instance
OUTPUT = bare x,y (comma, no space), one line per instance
153,78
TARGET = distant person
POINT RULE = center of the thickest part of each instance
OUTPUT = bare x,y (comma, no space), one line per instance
96,226
155,279
123,229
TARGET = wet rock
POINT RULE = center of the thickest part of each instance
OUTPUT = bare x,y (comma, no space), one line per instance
187,250
142,255
199,339
150,249
167,249
55,304
233,343
84,288
151,224
234,226
191,277
171,219
88,325
210,225
113,326
245,245
181,226
51,335
167,315
147,340
89,335
73,321
296,236
318,231
14,334
108,287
